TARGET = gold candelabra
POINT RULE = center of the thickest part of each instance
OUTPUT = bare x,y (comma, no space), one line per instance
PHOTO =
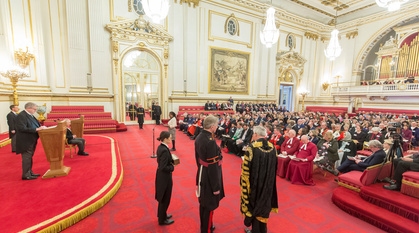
23,58
14,74
337,79
303,94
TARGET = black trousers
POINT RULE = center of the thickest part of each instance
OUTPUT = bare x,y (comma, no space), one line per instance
350,165
258,226
164,204
206,217
27,161
13,143
141,125
400,167
157,119
80,142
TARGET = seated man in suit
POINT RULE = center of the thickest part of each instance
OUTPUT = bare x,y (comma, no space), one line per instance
407,163
71,139
244,140
357,164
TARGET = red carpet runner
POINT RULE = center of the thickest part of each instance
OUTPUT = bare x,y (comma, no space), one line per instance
32,205
133,209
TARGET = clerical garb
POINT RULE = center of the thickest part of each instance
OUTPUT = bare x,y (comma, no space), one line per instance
11,121
209,177
140,115
26,140
290,146
301,172
258,185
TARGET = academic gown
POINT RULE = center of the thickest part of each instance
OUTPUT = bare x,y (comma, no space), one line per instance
300,172
140,115
290,146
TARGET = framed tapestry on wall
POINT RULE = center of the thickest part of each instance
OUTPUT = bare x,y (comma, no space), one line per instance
229,71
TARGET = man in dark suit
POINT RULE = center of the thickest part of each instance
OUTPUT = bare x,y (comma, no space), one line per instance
358,164
157,113
72,139
27,127
11,121
407,163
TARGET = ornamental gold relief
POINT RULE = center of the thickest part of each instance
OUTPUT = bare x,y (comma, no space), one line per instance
311,36
352,35
193,3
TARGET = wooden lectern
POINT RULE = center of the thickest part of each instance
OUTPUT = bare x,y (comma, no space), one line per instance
77,126
53,141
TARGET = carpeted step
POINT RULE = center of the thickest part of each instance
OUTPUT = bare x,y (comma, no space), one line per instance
395,202
350,202
77,109
75,115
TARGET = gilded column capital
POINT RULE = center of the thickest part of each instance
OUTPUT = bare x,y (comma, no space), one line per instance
194,3
311,36
352,35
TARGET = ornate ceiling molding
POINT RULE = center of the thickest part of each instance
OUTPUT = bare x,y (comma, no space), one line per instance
312,8
290,60
352,35
311,36
194,3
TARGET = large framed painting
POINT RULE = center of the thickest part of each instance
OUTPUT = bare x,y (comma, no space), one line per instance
229,71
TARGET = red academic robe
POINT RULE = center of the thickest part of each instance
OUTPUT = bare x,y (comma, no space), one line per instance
300,172
290,146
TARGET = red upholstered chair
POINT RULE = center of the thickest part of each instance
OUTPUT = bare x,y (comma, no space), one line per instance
410,184
354,180
364,152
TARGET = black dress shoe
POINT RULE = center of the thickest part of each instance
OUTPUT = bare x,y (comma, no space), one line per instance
83,153
212,228
333,171
169,216
29,178
247,230
173,149
32,174
392,187
167,222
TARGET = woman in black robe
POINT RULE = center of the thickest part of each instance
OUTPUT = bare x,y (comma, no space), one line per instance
164,181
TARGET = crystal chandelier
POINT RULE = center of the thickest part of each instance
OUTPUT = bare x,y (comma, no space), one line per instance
333,49
156,9
270,33
391,5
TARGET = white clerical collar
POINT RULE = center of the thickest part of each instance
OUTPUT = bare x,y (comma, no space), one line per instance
303,147
290,141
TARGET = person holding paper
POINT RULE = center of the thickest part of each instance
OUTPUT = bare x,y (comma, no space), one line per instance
289,147
164,180
300,169
27,127
358,164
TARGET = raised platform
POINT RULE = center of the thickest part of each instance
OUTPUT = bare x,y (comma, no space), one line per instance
96,120
4,139
388,210
51,205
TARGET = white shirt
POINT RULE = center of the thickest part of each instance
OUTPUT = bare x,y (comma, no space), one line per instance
172,123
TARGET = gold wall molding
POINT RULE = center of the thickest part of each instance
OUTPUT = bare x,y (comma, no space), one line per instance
311,36
352,35
232,17
193,3
212,37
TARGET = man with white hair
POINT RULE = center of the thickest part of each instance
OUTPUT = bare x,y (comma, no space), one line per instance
258,183
358,164
289,147
73,139
300,169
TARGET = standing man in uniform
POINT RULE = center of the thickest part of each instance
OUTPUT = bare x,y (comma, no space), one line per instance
26,138
11,121
140,116
209,179
157,113
258,183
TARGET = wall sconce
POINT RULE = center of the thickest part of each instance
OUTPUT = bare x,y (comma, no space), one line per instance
14,73
337,77
23,58
325,85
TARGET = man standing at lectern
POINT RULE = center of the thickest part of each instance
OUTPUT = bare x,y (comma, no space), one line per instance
27,127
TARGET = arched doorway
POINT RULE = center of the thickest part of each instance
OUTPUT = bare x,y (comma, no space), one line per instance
287,91
141,75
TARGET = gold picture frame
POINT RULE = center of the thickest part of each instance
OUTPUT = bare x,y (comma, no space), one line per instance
229,71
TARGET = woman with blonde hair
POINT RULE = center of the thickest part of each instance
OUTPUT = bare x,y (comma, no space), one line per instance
327,151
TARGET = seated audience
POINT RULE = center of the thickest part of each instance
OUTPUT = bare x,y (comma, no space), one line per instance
375,135
407,137
300,168
358,164
346,148
289,147
277,139
359,137
327,151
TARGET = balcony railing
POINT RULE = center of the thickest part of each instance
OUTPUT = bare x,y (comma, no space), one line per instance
397,89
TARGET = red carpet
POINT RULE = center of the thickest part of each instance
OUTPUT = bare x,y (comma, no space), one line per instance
92,181
133,209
